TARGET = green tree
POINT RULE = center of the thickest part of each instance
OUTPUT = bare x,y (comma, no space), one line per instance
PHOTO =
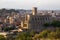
8,28
44,33
52,35
24,36
2,37
58,32
10,37
46,24
55,23
55,35
32,33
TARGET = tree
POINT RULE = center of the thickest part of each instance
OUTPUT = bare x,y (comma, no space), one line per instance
58,32
20,36
43,34
10,37
46,24
52,35
55,23
24,36
8,28
55,35
36,36
32,33
2,37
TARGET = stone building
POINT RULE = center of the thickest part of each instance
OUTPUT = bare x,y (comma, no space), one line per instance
35,21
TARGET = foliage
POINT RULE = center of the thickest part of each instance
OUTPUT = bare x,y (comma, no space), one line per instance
10,37
55,35
54,23
2,37
32,33
25,35
52,35
8,28
46,24
43,34
48,34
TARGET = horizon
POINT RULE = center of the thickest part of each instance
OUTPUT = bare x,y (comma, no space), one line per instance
28,4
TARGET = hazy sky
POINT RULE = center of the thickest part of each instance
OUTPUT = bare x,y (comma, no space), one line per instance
28,4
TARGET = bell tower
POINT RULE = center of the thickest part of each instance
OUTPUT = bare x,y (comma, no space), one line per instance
34,10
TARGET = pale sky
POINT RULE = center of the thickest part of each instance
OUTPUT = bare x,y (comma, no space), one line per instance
28,4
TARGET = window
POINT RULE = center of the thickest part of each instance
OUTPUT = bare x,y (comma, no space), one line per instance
38,18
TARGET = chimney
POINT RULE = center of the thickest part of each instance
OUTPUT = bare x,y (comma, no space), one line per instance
34,11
